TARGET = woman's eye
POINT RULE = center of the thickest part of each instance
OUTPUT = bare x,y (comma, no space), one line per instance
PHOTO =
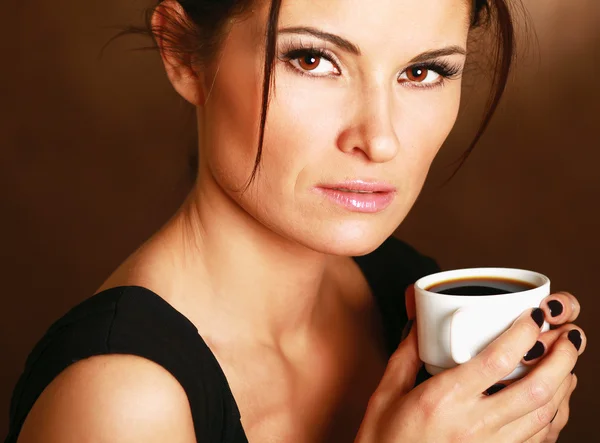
313,64
420,75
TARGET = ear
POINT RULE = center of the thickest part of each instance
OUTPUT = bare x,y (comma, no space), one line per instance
165,24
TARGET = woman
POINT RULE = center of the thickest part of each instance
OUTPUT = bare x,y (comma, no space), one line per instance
269,308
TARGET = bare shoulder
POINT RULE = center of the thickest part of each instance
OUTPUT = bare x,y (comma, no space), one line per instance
111,398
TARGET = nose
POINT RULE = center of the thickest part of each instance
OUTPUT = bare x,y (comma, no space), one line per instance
370,131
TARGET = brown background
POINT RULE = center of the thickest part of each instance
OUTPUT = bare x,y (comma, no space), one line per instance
95,158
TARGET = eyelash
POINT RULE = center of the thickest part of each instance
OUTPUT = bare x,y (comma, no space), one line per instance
292,52
446,70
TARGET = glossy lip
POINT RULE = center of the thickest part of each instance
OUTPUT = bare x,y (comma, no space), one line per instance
359,195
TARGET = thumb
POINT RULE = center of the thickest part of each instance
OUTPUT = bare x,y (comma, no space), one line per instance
404,364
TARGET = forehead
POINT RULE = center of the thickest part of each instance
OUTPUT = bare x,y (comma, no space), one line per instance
411,25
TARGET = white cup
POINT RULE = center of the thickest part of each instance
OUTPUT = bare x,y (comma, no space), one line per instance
455,328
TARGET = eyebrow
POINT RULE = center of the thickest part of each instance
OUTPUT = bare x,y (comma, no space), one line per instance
435,53
354,49
335,39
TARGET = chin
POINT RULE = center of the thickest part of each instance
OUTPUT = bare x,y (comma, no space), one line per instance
349,239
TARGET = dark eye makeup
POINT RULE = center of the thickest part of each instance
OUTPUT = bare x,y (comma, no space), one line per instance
295,51
300,50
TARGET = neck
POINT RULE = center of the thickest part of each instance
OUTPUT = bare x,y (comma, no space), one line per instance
256,282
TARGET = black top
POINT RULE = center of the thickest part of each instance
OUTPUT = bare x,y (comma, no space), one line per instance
136,321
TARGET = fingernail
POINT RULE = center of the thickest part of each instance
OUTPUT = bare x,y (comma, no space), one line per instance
536,352
556,308
538,316
555,414
575,338
406,330
495,388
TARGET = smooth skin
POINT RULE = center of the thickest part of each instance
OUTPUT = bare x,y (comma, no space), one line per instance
266,276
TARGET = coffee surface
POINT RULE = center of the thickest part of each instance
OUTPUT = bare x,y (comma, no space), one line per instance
480,286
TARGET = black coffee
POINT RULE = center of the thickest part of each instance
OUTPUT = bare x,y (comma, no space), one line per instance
480,286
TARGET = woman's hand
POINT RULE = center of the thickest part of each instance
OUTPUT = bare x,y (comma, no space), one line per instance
453,406
560,309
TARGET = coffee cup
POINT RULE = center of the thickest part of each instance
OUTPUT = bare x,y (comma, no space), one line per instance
460,312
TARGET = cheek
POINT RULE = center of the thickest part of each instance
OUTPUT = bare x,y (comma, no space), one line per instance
230,126
426,121
444,114
303,123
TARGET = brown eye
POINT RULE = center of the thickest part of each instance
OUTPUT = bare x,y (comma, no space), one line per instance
309,62
420,76
417,75
312,62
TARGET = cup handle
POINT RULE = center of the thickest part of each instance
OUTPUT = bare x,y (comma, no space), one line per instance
459,336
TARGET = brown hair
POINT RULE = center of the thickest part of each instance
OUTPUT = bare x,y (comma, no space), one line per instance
197,38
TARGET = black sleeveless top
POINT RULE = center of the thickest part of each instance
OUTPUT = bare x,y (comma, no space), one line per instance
136,321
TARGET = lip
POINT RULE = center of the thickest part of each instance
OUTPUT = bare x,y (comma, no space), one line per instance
359,195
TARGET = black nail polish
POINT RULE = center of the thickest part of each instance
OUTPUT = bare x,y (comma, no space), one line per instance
536,352
575,338
538,316
406,330
556,308
555,414
495,388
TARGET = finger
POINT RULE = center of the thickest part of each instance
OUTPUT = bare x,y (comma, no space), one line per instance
499,358
560,308
551,432
535,353
539,420
547,339
537,388
562,417
409,300
541,437
403,366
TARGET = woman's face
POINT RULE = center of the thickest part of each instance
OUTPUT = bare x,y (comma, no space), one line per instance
365,94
